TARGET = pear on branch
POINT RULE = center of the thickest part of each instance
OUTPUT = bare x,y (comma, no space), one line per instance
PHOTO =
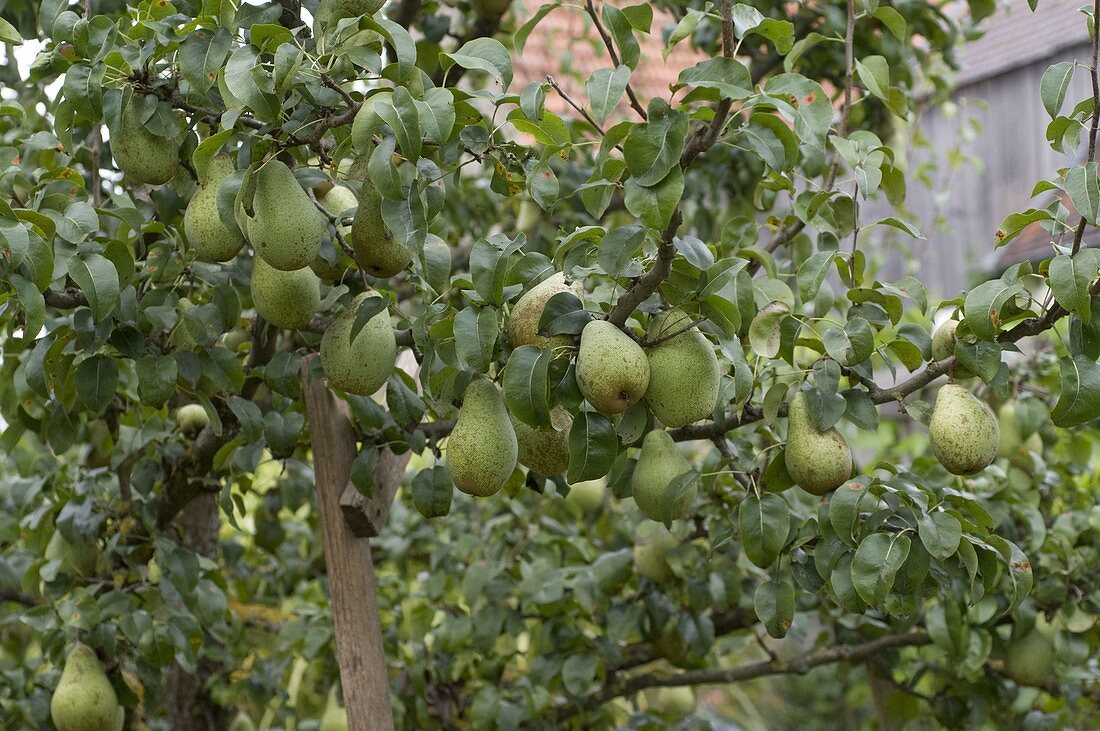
143,156
659,464
612,369
523,321
363,365
482,451
817,461
84,699
964,432
285,299
285,228
212,239
683,371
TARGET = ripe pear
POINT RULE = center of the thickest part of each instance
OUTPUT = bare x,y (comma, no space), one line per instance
76,559
285,228
482,450
84,699
963,431
363,366
143,156
818,462
378,252
659,463
652,542
612,369
191,418
683,372
206,231
285,299
335,717
672,704
545,449
523,322
1029,660
943,346
587,495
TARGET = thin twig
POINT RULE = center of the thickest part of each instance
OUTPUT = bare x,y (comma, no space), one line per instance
568,100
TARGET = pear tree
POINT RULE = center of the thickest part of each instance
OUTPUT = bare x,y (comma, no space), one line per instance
637,403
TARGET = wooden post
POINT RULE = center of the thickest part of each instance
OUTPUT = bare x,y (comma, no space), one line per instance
354,602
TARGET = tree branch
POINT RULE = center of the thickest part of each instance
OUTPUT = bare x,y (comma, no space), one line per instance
840,653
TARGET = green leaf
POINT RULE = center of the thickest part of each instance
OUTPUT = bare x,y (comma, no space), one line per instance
812,273
764,331
764,523
564,314
900,225
623,33
15,240
243,73
476,333
432,492
983,304
98,279
96,382
156,379
526,384
684,28
876,563
844,509
34,305
524,31
655,205
1052,88
1070,278
618,249
893,21
592,446
484,54
489,265
854,344
652,149
694,251
745,18
1083,190
1079,398
605,88
774,606
400,113
579,672
874,73
728,76
940,533
368,308
1014,223
8,33
202,55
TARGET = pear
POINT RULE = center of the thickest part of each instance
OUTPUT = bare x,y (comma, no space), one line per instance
523,321
285,299
491,10
335,717
206,231
191,419
652,542
143,156
482,450
363,366
84,699
545,449
612,369
659,463
943,346
378,252
672,703
336,201
285,228
77,559
683,372
963,430
818,462
1029,660
587,495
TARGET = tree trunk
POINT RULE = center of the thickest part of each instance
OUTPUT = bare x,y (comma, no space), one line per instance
188,701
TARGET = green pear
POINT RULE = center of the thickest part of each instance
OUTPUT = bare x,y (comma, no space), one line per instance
943,346
482,450
77,559
337,200
612,369
683,372
378,252
523,321
672,703
545,449
84,699
191,418
587,495
659,463
963,431
652,542
285,228
363,366
241,722
206,231
1012,446
818,462
141,155
285,299
1029,660
335,717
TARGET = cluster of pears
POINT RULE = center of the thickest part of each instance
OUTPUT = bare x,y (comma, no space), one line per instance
84,699
678,376
285,230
